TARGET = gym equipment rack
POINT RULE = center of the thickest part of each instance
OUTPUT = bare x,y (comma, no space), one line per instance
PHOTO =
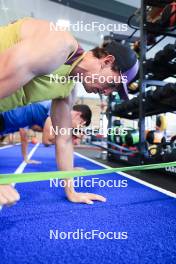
145,103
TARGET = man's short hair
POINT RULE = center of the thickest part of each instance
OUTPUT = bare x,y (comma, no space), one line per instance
101,52
86,113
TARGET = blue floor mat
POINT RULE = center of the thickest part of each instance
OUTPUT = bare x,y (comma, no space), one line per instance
11,158
147,216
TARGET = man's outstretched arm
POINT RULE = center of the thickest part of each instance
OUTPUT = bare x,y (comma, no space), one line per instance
29,58
61,118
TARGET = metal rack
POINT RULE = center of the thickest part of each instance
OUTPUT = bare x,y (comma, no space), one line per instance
144,82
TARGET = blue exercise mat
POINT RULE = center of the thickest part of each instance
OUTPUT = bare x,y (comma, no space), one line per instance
147,217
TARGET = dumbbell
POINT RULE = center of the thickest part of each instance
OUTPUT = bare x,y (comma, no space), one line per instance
132,137
153,150
117,123
170,51
116,136
160,57
149,65
173,142
166,55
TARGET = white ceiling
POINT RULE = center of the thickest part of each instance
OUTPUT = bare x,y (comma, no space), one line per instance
13,9
135,3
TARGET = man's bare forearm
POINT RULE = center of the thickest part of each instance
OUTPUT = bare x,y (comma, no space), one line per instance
64,157
64,154
61,118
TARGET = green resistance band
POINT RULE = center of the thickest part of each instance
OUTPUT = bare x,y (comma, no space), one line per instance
43,176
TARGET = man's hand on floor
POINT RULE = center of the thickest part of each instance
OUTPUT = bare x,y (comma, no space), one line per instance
86,198
8,195
32,161
77,197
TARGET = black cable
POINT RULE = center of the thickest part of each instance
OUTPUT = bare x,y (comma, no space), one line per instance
129,22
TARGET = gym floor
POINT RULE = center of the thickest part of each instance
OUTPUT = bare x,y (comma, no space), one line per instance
157,178
141,210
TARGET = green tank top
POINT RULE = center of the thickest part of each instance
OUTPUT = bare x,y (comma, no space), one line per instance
40,88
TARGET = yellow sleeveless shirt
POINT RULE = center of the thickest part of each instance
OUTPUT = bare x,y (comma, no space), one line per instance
40,88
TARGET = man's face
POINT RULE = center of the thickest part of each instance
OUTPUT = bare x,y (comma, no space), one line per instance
77,120
100,78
